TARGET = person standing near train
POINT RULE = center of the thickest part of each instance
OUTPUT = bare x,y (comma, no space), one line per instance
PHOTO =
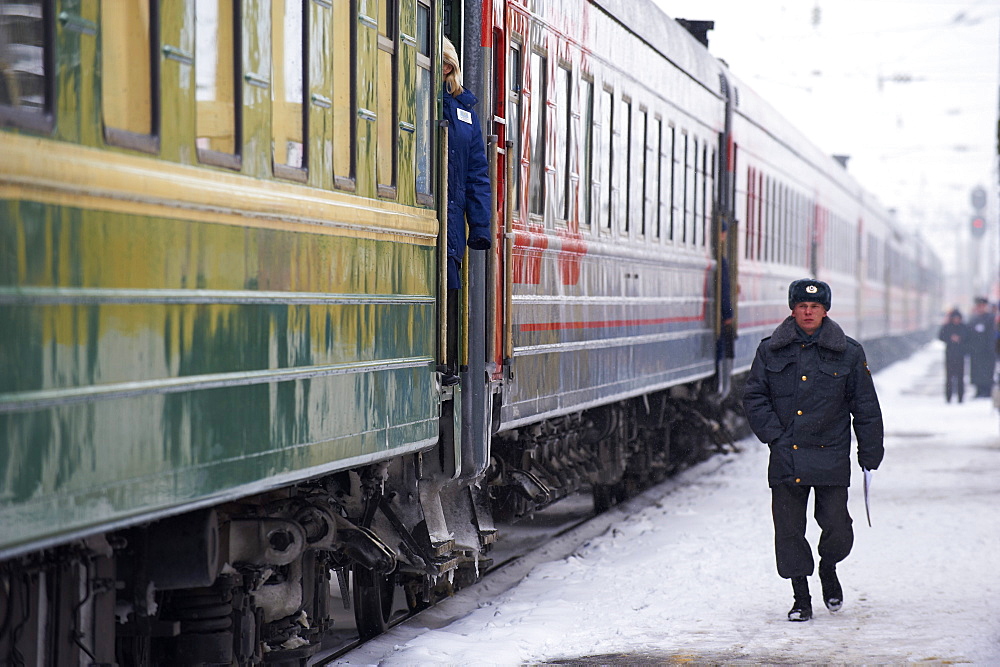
955,335
469,197
982,351
807,381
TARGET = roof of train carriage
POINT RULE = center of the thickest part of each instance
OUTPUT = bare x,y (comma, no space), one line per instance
648,22
651,24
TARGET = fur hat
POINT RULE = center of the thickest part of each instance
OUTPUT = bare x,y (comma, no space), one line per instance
808,289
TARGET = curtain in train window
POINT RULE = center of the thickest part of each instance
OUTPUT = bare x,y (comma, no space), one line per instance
128,71
606,168
288,85
514,77
536,173
564,127
388,16
587,161
23,63
216,92
425,100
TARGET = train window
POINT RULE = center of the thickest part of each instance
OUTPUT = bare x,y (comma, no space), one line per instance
587,163
657,176
626,172
342,50
606,169
688,221
759,246
288,88
386,110
514,77
772,220
779,240
217,96
26,64
695,178
536,173
564,110
425,101
674,181
130,73
748,226
706,201
648,166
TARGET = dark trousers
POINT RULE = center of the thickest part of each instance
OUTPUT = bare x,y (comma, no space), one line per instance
788,509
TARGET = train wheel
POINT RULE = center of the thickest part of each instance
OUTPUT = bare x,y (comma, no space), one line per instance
373,597
604,497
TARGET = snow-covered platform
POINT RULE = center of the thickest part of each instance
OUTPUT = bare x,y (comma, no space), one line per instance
685,573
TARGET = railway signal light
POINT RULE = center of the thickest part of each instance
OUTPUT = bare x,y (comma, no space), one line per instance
978,226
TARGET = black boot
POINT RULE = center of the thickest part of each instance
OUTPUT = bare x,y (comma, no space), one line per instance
833,594
802,609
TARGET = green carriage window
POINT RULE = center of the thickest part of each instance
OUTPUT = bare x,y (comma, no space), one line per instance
26,77
130,72
343,46
425,101
388,33
217,97
288,88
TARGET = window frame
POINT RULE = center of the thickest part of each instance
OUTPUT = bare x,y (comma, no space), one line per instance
43,118
139,141
214,157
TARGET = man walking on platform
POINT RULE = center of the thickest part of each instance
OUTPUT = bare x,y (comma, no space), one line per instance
806,382
982,350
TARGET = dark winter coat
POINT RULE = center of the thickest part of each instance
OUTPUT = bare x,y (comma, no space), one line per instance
468,182
981,349
799,399
956,346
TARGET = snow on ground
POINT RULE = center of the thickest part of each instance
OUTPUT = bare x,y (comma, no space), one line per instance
690,576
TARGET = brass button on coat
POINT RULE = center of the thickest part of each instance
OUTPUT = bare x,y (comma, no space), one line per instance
798,412
795,446
803,378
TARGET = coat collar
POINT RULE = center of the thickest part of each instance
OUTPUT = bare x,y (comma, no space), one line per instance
831,336
465,99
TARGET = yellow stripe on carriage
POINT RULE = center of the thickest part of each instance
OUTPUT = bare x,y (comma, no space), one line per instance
66,174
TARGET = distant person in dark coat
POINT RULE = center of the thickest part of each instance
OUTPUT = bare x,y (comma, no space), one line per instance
982,350
807,381
955,335
469,198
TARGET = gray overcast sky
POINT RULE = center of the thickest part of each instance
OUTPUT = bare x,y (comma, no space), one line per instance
907,88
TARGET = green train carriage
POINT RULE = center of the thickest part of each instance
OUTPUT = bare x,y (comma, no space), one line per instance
219,318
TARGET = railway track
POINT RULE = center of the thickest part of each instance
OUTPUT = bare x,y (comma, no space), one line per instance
551,534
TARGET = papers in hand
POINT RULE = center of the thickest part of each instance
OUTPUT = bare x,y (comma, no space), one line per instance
868,483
